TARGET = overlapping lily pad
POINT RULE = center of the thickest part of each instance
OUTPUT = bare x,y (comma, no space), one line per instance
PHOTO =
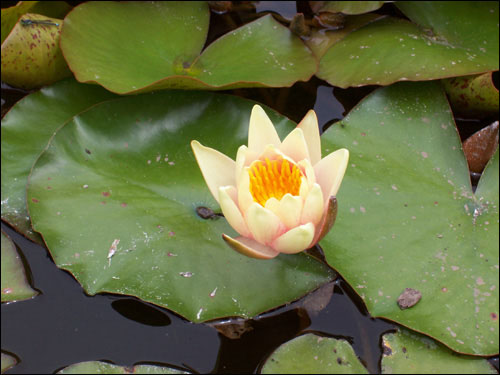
313,354
346,7
99,367
445,39
15,286
31,56
121,211
408,352
8,361
473,96
26,130
408,218
164,51
11,15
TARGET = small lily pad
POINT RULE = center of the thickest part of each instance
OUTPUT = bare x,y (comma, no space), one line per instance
97,46
15,286
99,367
445,39
8,361
472,96
26,130
121,214
313,354
407,352
10,16
31,56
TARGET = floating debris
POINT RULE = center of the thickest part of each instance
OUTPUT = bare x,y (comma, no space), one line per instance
112,250
409,298
186,274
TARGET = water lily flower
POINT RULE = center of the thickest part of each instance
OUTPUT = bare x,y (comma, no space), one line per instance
279,196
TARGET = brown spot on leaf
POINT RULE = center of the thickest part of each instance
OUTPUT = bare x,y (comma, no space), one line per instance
34,200
105,194
205,212
409,298
494,316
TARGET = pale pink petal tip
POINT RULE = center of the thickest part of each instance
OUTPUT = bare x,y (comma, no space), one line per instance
250,248
327,221
210,160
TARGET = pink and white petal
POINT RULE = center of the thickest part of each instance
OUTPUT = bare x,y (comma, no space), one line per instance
290,210
217,169
295,240
330,172
261,131
250,248
245,198
313,206
305,165
273,205
244,158
309,126
327,220
271,152
264,225
294,145
227,196
304,188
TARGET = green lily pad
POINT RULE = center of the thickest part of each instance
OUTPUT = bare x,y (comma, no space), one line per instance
10,16
99,367
313,354
473,96
8,361
347,7
447,39
15,286
159,56
31,56
408,218
408,352
121,214
26,130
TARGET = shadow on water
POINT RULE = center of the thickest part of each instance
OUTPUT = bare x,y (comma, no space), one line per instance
63,325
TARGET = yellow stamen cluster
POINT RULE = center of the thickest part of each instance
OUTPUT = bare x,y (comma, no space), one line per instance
273,179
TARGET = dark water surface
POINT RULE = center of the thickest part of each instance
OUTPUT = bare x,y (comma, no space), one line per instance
63,325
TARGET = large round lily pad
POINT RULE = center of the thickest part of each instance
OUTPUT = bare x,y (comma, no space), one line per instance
313,354
26,130
408,218
121,211
15,286
408,352
97,45
445,39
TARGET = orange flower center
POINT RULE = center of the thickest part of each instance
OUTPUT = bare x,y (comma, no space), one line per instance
273,179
